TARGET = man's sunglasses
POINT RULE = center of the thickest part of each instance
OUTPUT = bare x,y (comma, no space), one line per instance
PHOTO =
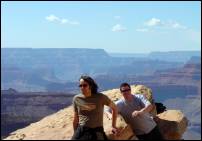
126,90
84,85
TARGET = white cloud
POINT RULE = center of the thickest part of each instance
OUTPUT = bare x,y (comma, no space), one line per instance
118,28
52,18
175,25
153,22
142,30
63,21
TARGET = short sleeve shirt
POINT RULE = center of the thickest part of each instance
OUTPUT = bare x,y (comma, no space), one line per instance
90,109
142,124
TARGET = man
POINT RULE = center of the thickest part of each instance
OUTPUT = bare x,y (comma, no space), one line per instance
135,110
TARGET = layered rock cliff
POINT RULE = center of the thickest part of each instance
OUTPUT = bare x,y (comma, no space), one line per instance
18,110
58,126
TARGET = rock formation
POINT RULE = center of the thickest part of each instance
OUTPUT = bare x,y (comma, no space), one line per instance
59,125
19,109
172,124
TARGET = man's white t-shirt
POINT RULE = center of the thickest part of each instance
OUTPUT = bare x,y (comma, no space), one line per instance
141,124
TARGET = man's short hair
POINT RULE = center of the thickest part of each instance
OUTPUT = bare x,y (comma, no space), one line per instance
124,85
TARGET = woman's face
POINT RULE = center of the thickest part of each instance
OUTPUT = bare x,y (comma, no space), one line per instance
84,86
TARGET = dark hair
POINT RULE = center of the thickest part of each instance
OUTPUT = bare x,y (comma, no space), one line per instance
91,83
124,85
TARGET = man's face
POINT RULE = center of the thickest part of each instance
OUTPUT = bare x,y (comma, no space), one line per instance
126,92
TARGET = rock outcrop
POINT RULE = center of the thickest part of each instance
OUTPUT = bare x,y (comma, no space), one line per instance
172,124
54,127
126,131
59,125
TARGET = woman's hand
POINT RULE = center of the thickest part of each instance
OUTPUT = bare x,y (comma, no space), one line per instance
115,131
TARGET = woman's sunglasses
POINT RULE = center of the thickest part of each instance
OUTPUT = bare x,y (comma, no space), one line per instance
84,85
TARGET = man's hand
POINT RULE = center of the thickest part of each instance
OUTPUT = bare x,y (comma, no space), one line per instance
147,109
137,113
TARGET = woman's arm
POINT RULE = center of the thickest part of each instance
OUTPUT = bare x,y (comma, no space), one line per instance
114,117
75,121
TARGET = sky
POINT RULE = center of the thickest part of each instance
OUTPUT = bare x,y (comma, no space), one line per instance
115,26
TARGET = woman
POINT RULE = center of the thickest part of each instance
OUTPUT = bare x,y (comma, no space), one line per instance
88,111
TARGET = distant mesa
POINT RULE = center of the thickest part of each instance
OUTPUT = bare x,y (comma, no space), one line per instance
9,91
179,56
49,69
194,60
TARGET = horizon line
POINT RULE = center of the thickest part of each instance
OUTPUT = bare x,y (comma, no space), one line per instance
99,49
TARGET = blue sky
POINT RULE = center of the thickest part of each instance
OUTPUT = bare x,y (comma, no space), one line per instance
126,27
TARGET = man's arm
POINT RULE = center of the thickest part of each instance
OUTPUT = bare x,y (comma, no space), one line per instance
146,109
